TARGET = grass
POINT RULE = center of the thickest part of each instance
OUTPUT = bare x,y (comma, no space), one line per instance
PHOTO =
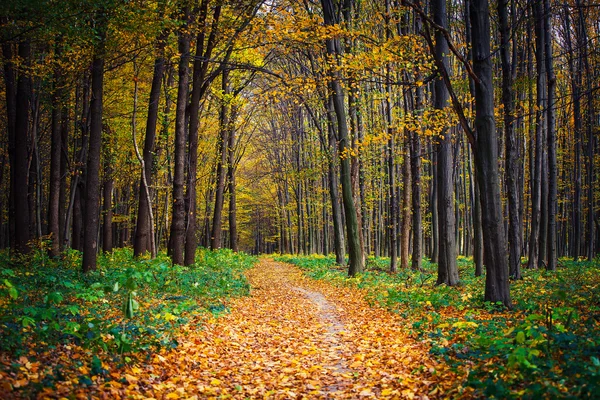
127,306
548,346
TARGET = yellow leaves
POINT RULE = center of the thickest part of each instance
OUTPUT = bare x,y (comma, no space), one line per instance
465,324
215,382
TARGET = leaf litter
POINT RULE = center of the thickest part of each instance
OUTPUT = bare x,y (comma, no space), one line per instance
293,337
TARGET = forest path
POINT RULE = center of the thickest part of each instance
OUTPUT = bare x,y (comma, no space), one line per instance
293,338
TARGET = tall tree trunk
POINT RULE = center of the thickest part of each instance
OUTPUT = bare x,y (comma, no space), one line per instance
92,185
575,73
336,209
447,268
551,134
406,202
231,167
221,167
537,219
486,159
107,226
199,87
20,161
10,90
512,150
55,168
144,229
415,160
356,258
177,236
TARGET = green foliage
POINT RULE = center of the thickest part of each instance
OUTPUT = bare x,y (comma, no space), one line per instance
547,346
127,305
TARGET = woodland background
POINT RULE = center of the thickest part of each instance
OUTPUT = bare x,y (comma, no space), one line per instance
428,133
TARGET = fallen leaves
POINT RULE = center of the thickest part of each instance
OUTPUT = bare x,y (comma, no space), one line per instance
293,338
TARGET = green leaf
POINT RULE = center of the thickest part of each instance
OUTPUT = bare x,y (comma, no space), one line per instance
520,337
12,292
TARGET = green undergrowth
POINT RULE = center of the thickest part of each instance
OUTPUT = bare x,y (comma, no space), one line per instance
548,346
126,307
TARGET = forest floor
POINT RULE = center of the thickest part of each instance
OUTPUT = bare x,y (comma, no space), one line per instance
293,337
236,327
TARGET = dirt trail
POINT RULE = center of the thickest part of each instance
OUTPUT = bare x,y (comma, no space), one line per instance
292,338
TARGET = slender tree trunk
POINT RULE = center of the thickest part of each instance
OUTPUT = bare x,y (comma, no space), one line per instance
336,209
231,167
356,264
55,169
551,134
390,155
221,167
447,268
199,87
177,236
20,160
10,86
107,226
406,214
512,150
486,159
415,160
577,134
144,227
92,185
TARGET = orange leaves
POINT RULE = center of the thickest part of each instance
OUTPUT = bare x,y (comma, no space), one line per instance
293,338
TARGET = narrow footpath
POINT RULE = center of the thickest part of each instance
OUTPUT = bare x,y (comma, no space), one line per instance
292,338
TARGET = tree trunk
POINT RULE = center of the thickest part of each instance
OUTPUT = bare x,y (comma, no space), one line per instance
512,150
577,134
356,259
231,167
551,134
92,185
221,167
447,268
486,159
415,161
177,236
107,226
144,229
336,209
20,160
199,87
10,90
55,169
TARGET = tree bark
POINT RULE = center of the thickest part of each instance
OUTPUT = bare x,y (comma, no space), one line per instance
55,169
224,117
92,185
447,268
336,209
20,161
333,47
415,160
177,236
107,226
231,167
551,134
144,229
10,86
512,150
199,87
486,159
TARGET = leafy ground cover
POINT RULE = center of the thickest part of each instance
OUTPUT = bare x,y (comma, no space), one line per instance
548,346
60,326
